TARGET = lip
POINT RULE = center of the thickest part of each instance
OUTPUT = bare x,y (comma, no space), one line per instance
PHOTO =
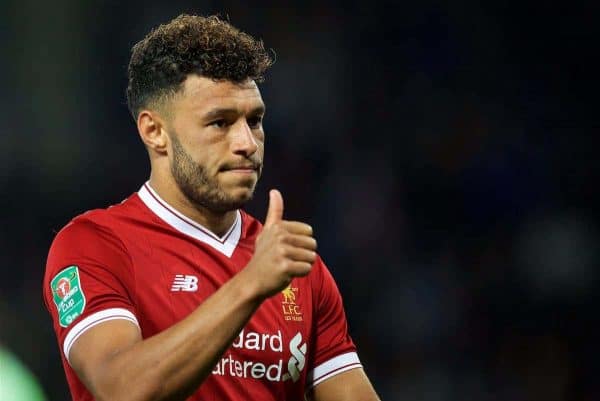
252,167
241,170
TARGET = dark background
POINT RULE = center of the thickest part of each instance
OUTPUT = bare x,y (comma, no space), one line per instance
445,154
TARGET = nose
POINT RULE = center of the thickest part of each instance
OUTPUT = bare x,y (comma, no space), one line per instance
243,141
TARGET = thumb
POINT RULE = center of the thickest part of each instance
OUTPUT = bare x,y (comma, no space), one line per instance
275,212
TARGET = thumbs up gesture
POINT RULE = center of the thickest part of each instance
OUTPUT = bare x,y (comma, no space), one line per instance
284,250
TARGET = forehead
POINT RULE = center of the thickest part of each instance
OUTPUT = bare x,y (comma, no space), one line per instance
200,94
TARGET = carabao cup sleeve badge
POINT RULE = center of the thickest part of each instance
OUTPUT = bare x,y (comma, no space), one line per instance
68,295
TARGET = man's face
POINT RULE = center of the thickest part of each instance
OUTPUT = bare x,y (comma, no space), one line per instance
217,142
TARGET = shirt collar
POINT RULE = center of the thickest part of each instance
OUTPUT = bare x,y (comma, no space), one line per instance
225,244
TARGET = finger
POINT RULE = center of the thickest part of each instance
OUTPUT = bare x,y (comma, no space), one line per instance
300,254
302,241
300,269
275,211
297,227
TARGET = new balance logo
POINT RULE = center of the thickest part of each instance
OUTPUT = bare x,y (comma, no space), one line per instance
184,283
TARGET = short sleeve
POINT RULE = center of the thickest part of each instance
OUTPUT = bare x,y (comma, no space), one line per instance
88,281
334,350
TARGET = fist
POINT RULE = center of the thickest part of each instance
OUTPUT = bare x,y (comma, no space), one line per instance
284,250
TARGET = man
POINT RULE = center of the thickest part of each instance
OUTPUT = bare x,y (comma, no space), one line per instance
176,292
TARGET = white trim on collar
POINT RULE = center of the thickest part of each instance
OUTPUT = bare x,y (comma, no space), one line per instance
225,244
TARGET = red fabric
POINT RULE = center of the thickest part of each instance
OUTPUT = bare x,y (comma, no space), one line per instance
128,258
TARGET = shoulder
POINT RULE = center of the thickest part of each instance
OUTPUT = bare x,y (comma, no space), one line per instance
85,239
89,224
90,242
319,271
97,223
86,229
94,235
323,284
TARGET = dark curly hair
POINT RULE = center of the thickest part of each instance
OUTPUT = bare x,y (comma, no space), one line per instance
191,44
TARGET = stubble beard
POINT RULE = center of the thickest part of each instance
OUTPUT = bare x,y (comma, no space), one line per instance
197,186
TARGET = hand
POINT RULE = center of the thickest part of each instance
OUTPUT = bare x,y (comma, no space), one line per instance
284,250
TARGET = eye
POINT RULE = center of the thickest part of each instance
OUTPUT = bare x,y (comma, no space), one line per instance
255,122
221,123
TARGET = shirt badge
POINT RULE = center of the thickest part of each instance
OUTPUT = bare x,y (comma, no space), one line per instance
68,295
291,310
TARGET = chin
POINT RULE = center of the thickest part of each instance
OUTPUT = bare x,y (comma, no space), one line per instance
242,195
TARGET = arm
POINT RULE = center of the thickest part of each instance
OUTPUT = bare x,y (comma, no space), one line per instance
352,385
115,363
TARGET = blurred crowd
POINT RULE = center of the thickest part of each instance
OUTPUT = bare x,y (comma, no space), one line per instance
444,153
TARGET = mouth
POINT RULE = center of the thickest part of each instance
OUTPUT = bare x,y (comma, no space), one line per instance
241,169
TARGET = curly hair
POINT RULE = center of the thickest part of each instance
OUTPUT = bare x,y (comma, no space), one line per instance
191,44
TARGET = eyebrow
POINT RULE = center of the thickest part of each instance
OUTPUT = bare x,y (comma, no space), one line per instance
224,111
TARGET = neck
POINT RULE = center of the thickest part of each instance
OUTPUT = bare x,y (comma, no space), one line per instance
217,223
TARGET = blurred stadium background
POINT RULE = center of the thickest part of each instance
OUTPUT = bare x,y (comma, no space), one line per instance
445,154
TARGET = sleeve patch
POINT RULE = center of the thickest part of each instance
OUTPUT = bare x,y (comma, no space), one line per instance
68,295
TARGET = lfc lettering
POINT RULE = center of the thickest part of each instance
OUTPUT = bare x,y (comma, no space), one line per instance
291,311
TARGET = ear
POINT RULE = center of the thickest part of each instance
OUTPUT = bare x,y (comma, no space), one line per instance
151,129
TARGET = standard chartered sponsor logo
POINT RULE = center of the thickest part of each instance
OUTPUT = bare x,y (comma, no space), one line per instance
297,361
257,369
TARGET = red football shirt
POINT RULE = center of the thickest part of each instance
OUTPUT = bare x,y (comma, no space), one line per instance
145,262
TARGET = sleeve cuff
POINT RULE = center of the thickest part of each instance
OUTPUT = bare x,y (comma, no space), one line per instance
332,367
91,321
